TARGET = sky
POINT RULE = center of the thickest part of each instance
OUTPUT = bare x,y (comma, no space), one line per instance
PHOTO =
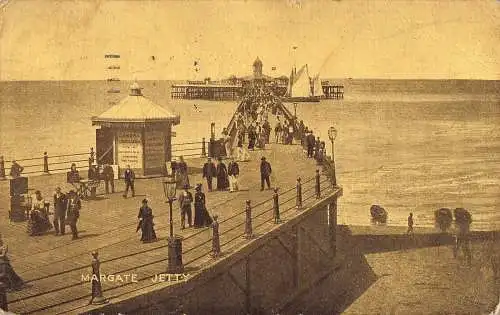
67,40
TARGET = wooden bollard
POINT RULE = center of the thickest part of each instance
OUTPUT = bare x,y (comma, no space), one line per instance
276,207
248,220
2,168
45,164
215,238
4,305
203,147
91,157
318,188
97,296
299,194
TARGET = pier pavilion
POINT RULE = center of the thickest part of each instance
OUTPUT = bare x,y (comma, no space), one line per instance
135,132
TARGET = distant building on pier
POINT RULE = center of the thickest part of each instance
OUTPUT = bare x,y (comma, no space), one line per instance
228,89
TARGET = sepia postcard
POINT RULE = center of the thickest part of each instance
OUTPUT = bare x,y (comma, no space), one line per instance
309,157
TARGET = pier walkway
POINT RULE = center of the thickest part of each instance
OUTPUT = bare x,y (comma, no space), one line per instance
53,266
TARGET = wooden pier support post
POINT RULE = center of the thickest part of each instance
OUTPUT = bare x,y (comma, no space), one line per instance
45,164
3,297
248,220
203,147
298,203
2,168
318,188
91,157
276,207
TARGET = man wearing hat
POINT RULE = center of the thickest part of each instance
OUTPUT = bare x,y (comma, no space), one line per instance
73,212
185,200
129,177
59,211
265,172
310,142
209,172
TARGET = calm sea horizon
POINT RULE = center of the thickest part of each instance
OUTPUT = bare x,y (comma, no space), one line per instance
408,145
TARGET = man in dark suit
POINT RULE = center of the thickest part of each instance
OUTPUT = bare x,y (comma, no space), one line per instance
73,212
129,177
59,212
209,172
93,174
265,172
109,178
310,144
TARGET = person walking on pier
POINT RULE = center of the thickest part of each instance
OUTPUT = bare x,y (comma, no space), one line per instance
410,224
310,142
277,132
265,173
201,216
59,212
317,147
109,178
209,172
243,154
93,175
266,127
146,224
129,177
182,173
16,170
222,180
233,170
185,200
73,212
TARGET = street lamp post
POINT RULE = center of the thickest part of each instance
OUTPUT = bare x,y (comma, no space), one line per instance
175,265
332,134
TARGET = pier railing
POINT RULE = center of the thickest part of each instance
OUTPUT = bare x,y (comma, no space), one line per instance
232,228
47,164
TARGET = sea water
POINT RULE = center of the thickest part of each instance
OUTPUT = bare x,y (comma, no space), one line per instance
407,145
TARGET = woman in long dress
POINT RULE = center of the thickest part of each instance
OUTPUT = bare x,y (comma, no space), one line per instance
222,179
146,223
182,173
7,274
201,216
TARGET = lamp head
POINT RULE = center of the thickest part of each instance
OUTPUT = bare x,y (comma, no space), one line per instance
332,133
169,188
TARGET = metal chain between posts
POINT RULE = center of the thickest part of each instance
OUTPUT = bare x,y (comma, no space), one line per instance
299,194
318,188
248,220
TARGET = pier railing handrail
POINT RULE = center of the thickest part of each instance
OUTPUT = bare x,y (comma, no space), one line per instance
163,246
46,160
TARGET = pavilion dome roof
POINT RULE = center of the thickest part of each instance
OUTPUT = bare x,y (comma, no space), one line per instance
137,108
257,62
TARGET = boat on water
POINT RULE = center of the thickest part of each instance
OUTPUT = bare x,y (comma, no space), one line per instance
302,88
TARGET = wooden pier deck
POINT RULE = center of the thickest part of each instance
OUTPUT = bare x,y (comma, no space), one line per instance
53,266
